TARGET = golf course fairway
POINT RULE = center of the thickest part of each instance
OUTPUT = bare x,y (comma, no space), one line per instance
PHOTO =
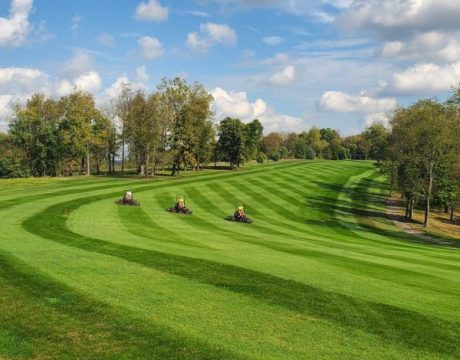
313,277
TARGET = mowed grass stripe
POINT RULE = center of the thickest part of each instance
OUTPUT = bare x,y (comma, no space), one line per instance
354,251
394,324
54,321
136,221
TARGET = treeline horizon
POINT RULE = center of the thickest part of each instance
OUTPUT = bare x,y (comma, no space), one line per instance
170,128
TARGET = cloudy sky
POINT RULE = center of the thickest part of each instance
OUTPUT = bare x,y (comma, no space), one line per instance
291,63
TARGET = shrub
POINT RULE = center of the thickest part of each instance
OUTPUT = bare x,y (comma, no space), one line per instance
261,158
275,156
310,153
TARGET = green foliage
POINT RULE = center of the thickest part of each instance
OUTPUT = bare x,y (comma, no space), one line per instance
378,137
275,156
424,150
261,158
232,141
253,137
310,153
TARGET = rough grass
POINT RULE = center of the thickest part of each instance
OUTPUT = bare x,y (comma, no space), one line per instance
319,275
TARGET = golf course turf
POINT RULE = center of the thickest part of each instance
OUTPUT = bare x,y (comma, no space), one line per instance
320,274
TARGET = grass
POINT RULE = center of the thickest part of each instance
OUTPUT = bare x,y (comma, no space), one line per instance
320,274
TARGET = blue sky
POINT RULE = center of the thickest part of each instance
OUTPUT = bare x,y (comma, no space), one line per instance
292,64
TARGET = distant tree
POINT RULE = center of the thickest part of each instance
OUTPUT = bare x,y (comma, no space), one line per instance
253,137
261,158
310,153
198,111
100,139
378,137
292,143
313,139
33,129
272,143
121,104
232,141
79,111
12,159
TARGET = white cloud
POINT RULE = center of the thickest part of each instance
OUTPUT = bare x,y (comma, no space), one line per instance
15,28
115,89
336,101
211,34
237,105
16,85
426,78
273,40
21,82
106,40
429,46
220,33
151,11
376,118
283,77
142,74
399,18
78,64
89,82
151,47
372,109
6,104
195,42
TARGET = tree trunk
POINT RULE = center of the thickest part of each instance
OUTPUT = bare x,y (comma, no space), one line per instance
154,162
147,160
452,208
123,156
88,166
407,208
426,223
446,208
109,164
82,165
113,163
98,170
411,209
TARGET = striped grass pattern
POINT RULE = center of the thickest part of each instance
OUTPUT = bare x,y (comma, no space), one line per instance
320,274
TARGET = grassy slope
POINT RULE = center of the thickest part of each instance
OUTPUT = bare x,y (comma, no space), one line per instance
311,278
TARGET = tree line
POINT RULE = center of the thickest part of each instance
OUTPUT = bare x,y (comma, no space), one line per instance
423,155
170,128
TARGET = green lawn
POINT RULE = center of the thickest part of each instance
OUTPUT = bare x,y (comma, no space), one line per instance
320,274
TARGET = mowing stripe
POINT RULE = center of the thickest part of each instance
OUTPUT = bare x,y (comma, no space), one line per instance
389,322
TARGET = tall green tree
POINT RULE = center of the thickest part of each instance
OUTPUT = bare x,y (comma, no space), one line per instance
79,111
253,137
426,135
33,128
378,136
121,104
231,142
